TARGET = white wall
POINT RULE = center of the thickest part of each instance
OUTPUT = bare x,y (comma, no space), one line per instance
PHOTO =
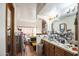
2,29
68,20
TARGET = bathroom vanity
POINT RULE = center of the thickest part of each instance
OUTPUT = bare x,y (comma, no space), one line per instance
52,48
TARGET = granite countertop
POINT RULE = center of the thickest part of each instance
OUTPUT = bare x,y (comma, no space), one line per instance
62,46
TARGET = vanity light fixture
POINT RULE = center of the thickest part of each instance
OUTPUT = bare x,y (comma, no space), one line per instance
50,18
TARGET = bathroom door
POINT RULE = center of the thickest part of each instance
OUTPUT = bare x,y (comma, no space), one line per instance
10,50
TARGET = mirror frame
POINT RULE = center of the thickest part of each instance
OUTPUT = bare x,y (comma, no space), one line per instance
64,28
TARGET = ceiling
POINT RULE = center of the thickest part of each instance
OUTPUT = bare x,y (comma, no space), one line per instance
25,14
53,9
26,11
39,7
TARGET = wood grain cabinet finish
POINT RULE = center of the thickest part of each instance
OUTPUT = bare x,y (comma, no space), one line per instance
59,51
52,50
46,48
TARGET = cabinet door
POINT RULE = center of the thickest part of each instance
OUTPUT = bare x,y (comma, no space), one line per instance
46,48
52,50
59,51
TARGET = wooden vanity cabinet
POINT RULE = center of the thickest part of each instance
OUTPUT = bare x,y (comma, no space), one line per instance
46,48
59,51
52,50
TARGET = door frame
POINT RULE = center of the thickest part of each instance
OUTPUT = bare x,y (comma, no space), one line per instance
11,8
78,28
